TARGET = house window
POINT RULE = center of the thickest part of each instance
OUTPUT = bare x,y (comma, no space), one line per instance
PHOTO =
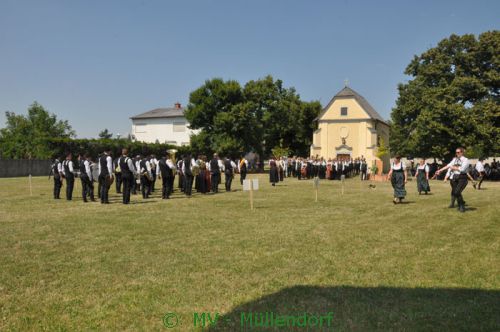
140,128
179,126
343,111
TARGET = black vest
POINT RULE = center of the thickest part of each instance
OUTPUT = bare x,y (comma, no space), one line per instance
123,162
165,170
67,172
243,166
82,168
143,166
55,167
228,167
214,166
103,165
187,167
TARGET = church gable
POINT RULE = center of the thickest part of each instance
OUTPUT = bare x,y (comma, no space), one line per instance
349,105
344,109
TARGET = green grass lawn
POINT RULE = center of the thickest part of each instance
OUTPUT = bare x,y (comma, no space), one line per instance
70,266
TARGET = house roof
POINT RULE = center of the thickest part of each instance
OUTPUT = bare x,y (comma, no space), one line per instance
169,112
347,92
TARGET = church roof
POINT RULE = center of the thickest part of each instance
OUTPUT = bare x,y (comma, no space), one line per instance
347,92
168,112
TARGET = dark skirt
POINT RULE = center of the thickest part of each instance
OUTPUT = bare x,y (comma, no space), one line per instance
273,175
398,183
203,186
422,183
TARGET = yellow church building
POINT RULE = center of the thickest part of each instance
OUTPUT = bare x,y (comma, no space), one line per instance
349,127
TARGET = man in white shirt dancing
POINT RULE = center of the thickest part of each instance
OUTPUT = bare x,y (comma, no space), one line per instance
458,167
480,170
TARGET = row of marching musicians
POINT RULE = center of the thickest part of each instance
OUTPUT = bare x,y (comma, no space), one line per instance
139,174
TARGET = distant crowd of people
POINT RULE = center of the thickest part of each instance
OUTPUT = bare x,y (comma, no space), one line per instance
139,174
308,168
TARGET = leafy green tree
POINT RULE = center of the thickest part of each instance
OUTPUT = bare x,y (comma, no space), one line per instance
105,134
382,149
452,99
26,136
256,117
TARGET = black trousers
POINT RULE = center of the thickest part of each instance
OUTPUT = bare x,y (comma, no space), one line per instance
188,184
99,187
134,186
458,184
215,182
57,186
86,185
118,182
152,186
91,190
481,178
128,181
104,189
145,186
243,176
181,182
70,183
171,184
229,180
166,189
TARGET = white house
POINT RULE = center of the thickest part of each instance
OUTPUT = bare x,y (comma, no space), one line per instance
165,125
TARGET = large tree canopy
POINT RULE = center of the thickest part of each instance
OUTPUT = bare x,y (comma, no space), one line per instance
258,117
27,136
452,99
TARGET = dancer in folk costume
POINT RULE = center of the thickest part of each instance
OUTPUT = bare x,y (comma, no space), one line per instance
422,176
398,178
458,176
273,171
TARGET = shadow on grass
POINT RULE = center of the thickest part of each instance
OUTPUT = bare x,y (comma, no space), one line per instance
372,308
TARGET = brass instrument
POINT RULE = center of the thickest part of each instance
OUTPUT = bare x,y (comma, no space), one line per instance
109,180
172,153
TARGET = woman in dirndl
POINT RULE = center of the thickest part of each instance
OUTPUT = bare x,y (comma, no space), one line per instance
423,177
273,172
398,178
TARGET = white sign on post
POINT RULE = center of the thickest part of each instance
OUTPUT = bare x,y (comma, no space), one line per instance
254,185
251,185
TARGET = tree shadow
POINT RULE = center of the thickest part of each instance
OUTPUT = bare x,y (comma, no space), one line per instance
368,309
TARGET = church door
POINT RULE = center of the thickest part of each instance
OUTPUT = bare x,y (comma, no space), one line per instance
341,156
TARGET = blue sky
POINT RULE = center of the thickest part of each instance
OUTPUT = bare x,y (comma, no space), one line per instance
96,63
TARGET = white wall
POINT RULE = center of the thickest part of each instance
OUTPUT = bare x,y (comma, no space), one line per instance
162,129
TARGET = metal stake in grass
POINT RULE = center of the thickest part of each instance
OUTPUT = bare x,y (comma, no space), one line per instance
31,187
342,179
316,185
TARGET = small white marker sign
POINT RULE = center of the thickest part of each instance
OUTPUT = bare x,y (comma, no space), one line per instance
255,184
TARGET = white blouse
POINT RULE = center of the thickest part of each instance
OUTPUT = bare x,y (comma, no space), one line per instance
398,167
